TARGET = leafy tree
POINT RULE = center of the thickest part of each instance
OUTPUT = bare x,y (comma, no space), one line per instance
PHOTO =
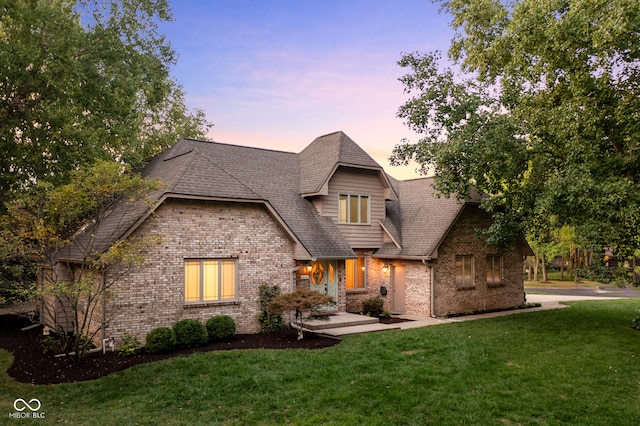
300,302
82,80
542,116
56,230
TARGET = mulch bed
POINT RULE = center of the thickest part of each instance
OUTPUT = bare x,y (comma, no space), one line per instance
32,365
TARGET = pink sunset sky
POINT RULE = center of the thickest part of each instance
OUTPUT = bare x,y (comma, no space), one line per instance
278,74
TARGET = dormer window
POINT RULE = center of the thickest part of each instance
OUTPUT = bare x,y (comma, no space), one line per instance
353,209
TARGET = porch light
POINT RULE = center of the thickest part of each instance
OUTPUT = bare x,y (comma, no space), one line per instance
385,268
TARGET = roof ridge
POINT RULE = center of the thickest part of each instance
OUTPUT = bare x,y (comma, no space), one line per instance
257,148
222,169
177,177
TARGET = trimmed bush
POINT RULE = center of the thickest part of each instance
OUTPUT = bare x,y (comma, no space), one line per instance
221,327
161,339
190,333
269,321
373,307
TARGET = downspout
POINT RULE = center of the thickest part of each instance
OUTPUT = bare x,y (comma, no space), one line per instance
432,284
104,310
433,292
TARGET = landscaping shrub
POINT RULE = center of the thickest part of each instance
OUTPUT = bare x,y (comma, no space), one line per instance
129,345
161,339
300,302
54,343
269,321
190,333
373,307
221,327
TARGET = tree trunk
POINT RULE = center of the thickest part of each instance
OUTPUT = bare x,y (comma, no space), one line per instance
544,269
587,261
562,267
535,270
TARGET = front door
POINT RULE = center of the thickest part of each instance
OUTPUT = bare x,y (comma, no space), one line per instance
324,279
398,286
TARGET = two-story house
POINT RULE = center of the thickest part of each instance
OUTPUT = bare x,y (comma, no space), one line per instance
328,218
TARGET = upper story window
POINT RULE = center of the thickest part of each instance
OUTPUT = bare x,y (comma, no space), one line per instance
353,209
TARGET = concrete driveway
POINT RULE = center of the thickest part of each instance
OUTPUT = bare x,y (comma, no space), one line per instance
545,294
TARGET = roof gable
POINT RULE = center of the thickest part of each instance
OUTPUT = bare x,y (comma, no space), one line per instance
416,219
420,217
320,160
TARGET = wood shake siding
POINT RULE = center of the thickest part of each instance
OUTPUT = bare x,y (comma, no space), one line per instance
360,182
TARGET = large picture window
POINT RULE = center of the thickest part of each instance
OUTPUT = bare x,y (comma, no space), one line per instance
464,271
494,270
353,208
210,280
355,273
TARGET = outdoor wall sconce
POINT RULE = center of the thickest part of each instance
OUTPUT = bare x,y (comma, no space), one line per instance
385,268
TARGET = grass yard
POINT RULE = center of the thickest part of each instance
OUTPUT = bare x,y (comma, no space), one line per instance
568,282
577,366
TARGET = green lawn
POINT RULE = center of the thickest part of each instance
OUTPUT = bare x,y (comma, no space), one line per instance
577,366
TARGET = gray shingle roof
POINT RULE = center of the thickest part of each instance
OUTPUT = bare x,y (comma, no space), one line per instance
416,219
211,170
320,159
419,219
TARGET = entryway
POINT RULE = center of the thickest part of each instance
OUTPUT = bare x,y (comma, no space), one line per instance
324,279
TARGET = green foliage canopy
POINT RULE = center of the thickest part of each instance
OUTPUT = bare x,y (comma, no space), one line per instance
543,115
45,220
82,80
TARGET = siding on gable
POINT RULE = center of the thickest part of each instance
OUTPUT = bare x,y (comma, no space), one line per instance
356,182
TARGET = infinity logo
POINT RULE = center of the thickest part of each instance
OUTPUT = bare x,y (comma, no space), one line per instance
24,404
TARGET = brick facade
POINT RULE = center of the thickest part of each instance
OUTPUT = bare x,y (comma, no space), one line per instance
417,283
152,295
462,239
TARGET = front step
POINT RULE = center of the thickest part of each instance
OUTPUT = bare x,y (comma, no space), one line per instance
339,320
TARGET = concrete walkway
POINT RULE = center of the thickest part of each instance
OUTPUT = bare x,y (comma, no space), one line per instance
548,301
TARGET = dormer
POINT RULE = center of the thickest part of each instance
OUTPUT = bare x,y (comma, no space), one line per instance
345,184
326,155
